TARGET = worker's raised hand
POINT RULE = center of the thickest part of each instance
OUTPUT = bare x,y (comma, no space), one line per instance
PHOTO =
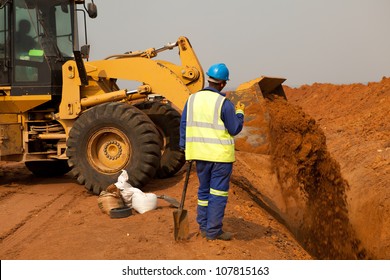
240,108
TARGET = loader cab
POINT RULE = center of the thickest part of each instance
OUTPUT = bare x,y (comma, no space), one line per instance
36,38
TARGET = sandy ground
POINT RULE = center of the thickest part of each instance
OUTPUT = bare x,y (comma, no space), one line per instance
56,218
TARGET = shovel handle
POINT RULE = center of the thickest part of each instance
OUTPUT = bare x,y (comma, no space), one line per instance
183,196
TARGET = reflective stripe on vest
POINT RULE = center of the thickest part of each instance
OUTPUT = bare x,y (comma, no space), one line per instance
206,136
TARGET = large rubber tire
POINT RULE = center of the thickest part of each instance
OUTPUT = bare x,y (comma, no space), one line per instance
47,167
167,121
110,138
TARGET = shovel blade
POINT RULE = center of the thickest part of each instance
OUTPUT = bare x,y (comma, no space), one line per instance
170,200
180,219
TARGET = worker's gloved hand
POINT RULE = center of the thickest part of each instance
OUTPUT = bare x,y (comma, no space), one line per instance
240,108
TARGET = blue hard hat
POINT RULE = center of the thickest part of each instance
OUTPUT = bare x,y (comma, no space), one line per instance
218,71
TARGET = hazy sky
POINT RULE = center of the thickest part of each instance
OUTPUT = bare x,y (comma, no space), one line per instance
304,41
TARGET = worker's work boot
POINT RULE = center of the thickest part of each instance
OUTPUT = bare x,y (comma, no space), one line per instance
226,236
203,233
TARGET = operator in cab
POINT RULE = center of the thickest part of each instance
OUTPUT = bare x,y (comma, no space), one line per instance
23,41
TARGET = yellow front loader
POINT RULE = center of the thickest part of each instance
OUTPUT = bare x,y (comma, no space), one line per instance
60,112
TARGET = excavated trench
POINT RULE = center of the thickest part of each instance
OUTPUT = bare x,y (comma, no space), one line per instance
312,192
304,166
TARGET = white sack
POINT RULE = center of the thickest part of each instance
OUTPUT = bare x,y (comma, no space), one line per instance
143,202
133,197
127,195
125,188
122,181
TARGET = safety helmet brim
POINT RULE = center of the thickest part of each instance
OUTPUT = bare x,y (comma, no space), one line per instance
211,79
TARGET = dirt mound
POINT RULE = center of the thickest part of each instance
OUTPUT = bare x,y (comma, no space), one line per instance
331,157
304,167
356,121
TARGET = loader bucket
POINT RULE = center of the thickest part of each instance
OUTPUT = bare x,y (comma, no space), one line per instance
254,136
267,87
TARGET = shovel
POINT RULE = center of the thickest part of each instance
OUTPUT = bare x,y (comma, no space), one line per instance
180,217
170,200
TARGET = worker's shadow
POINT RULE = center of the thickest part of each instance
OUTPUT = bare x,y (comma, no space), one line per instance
245,230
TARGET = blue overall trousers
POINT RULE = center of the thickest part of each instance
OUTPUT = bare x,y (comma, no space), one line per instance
214,178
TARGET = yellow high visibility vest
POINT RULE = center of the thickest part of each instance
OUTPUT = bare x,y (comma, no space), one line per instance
206,136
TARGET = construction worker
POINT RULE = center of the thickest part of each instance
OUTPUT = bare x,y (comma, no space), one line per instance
208,123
